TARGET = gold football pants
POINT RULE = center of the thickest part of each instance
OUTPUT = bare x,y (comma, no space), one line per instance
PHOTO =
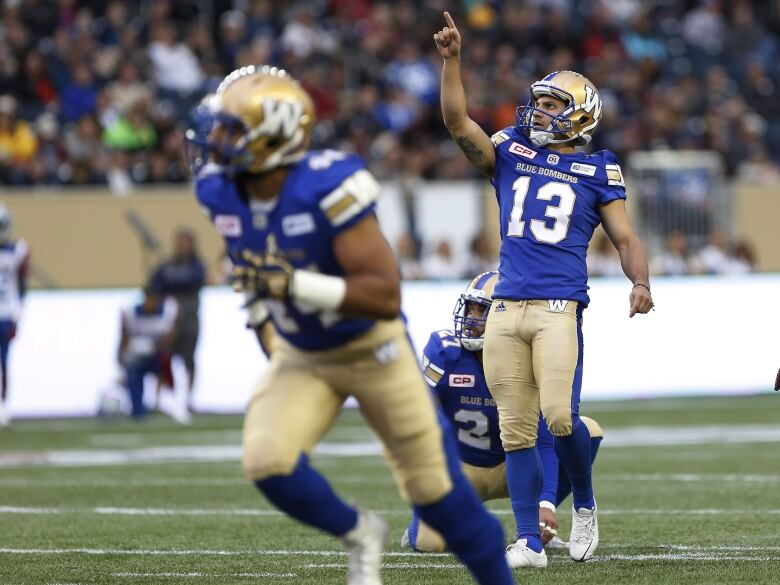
532,356
300,395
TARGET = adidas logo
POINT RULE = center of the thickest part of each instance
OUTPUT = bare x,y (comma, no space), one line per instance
500,307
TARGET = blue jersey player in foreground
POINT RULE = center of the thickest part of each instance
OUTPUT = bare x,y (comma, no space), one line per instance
551,198
452,363
300,227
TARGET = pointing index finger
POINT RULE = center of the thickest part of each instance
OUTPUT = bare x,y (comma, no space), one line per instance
450,22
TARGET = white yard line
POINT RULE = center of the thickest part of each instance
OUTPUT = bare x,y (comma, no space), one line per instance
386,566
196,575
24,482
147,455
674,553
203,552
643,436
693,477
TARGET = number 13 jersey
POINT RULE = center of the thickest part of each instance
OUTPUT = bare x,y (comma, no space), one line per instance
549,207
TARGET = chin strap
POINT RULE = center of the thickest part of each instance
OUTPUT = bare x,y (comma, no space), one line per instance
542,138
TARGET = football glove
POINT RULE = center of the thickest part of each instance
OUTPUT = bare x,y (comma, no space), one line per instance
266,276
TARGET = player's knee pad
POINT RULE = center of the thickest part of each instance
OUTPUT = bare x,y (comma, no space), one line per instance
265,456
559,419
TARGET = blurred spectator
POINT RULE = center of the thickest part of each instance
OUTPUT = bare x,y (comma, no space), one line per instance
482,257
603,258
662,69
441,263
18,144
673,261
85,151
408,259
181,277
133,131
713,258
743,258
79,97
176,70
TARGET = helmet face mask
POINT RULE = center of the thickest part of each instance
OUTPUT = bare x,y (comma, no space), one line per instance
471,311
576,123
259,119
470,317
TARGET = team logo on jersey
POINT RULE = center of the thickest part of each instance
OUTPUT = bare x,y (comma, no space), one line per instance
558,306
521,150
582,169
462,380
553,159
298,224
387,352
500,307
228,226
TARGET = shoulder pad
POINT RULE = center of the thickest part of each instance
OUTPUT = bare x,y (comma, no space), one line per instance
346,188
441,351
501,136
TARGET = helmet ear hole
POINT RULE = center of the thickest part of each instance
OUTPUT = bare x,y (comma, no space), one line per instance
583,119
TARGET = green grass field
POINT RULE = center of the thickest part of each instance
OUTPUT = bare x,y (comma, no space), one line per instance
689,492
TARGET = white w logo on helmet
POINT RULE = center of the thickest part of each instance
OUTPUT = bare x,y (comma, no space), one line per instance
592,103
279,117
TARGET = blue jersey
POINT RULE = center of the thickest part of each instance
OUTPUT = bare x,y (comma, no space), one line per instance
326,193
459,383
549,207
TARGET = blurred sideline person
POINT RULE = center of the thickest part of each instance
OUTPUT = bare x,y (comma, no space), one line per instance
551,198
148,329
14,265
452,364
301,228
181,277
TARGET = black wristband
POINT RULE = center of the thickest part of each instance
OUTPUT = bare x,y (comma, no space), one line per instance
644,285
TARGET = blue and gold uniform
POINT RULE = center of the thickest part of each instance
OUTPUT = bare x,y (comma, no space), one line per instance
324,201
456,376
326,193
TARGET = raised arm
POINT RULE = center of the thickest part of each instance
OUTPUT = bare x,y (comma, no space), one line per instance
632,254
468,135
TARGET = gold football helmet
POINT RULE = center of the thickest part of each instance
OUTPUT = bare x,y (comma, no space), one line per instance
261,119
471,310
579,119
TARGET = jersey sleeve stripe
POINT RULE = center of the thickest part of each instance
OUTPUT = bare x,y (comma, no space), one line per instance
334,210
355,194
431,375
614,175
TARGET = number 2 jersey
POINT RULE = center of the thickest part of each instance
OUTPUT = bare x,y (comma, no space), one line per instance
458,381
325,193
549,207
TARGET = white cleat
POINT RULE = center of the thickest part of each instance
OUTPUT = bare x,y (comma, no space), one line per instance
584,534
365,544
556,543
5,418
519,556
405,542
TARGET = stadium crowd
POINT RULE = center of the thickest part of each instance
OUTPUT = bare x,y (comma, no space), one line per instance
99,92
